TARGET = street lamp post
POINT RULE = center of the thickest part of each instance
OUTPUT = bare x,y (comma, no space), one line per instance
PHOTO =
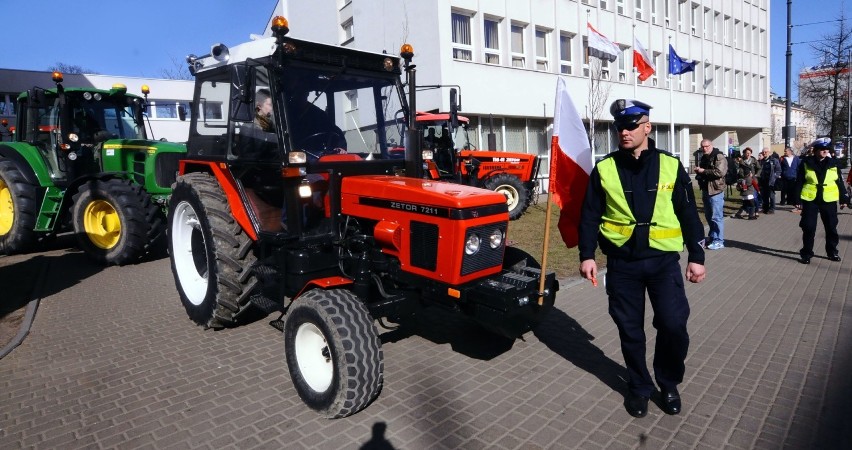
789,103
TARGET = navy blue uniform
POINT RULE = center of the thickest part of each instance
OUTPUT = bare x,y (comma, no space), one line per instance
635,268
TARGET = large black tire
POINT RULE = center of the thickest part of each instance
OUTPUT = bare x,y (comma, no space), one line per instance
517,195
333,352
212,258
18,209
115,221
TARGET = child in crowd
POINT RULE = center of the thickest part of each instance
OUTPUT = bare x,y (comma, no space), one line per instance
747,186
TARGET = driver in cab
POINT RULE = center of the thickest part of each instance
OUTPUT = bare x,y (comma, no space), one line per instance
312,130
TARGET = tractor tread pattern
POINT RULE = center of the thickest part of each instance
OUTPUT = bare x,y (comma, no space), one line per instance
22,235
524,194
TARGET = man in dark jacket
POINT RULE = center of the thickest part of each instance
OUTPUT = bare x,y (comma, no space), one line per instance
789,169
820,187
770,170
639,207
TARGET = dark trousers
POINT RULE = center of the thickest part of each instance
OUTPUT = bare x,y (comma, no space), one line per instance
828,213
788,191
767,200
626,284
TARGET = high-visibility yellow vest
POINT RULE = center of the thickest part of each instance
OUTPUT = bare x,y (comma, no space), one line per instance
618,221
830,192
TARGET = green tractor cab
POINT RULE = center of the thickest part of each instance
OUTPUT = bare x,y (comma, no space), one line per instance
80,159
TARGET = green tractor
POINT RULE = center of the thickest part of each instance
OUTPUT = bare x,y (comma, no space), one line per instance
80,160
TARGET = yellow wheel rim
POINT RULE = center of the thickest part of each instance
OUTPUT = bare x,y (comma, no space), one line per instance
102,224
7,208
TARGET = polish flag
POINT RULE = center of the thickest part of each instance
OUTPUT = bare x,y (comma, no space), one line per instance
600,46
570,164
644,65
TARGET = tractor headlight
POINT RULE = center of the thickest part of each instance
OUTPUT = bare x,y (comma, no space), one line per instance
87,95
297,158
496,239
73,137
471,245
427,155
98,96
305,190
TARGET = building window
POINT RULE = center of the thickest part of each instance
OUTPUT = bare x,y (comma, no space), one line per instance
693,81
491,35
717,27
518,58
726,88
541,38
603,4
7,104
351,100
619,7
658,61
695,19
708,23
653,12
681,15
166,109
668,12
736,34
622,65
347,31
461,37
565,41
585,56
726,31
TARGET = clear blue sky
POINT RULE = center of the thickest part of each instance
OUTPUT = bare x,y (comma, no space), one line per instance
122,37
803,12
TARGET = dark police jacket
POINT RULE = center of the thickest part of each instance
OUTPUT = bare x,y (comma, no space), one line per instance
639,179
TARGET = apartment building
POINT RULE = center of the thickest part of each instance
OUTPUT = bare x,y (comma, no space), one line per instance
506,55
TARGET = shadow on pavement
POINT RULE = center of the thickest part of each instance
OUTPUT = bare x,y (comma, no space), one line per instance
749,247
377,440
565,337
442,326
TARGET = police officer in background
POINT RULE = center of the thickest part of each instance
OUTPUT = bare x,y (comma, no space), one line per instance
640,208
820,187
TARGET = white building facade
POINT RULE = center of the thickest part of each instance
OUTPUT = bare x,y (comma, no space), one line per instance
507,54
164,98
800,117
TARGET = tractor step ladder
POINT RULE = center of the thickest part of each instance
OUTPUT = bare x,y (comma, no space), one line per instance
50,207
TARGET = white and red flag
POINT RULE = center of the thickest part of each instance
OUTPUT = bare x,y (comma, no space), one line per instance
600,46
641,61
570,163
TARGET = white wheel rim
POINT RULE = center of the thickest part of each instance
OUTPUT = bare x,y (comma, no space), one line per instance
510,193
314,357
184,223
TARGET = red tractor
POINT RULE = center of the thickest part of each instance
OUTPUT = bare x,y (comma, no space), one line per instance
453,158
289,200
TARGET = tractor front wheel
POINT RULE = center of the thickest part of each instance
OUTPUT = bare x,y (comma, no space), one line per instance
18,209
115,221
211,255
333,352
517,195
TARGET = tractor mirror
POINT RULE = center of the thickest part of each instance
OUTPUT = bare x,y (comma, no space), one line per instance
37,97
242,93
182,113
454,108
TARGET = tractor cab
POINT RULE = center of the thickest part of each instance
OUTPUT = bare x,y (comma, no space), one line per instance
68,126
283,115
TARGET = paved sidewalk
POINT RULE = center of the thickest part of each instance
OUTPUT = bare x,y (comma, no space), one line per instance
112,361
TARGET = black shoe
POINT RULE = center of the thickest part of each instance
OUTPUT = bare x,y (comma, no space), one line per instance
670,402
834,257
805,260
636,405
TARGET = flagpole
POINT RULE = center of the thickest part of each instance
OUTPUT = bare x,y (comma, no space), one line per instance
671,101
634,57
591,86
545,246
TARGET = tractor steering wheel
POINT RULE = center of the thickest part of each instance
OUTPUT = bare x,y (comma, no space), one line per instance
326,141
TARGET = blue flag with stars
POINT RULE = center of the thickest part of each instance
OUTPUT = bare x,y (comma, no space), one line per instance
678,65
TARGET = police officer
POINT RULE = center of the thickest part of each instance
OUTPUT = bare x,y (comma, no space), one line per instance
640,208
820,187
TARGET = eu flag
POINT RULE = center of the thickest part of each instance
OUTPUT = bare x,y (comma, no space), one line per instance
678,65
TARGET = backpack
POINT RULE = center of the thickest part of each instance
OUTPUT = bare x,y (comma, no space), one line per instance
731,175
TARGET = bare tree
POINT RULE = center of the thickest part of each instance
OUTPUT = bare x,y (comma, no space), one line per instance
69,69
823,89
599,89
178,71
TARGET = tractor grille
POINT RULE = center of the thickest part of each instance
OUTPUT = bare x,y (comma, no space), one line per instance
424,245
486,256
166,168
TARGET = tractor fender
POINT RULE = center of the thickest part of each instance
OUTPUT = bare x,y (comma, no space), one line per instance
26,157
324,283
229,186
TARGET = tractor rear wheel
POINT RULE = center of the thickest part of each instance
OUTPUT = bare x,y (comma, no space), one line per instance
115,221
333,352
18,209
211,255
517,195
